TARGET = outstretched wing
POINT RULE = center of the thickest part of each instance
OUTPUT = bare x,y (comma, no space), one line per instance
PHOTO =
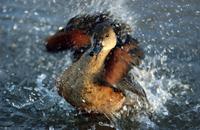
73,39
76,34
121,59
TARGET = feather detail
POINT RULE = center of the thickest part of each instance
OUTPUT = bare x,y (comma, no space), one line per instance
73,39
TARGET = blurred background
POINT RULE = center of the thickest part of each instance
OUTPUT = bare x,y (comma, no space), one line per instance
168,32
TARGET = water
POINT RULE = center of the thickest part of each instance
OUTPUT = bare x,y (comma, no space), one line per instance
167,30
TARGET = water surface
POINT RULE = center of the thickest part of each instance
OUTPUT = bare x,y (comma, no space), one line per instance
168,32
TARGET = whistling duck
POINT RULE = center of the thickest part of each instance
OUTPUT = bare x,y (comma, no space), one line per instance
97,80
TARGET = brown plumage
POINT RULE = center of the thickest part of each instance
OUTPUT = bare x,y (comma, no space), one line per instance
118,64
95,82
80,84
84,26
64,40
77,36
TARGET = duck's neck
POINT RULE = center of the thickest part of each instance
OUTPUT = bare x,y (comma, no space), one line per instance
97,62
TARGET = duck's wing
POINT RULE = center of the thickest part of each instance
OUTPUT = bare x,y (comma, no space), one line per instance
76,35
133,86
73,39
126,84
87,22
120,61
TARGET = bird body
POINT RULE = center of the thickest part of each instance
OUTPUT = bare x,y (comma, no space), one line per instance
97,80
82,81
85,92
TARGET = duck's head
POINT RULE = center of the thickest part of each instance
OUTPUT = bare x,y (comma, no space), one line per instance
103,39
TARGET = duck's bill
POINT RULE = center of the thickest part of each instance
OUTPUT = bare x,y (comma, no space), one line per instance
97,47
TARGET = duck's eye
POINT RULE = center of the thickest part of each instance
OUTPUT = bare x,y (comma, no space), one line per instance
107,35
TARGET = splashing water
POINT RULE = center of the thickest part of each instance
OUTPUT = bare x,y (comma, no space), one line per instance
167,30
158,88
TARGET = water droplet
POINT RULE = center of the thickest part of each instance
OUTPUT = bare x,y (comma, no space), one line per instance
40,79
26,12
15,27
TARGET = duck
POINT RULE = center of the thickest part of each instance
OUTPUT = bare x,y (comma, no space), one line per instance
98,80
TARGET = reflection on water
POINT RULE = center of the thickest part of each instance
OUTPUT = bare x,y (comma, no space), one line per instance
167,30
